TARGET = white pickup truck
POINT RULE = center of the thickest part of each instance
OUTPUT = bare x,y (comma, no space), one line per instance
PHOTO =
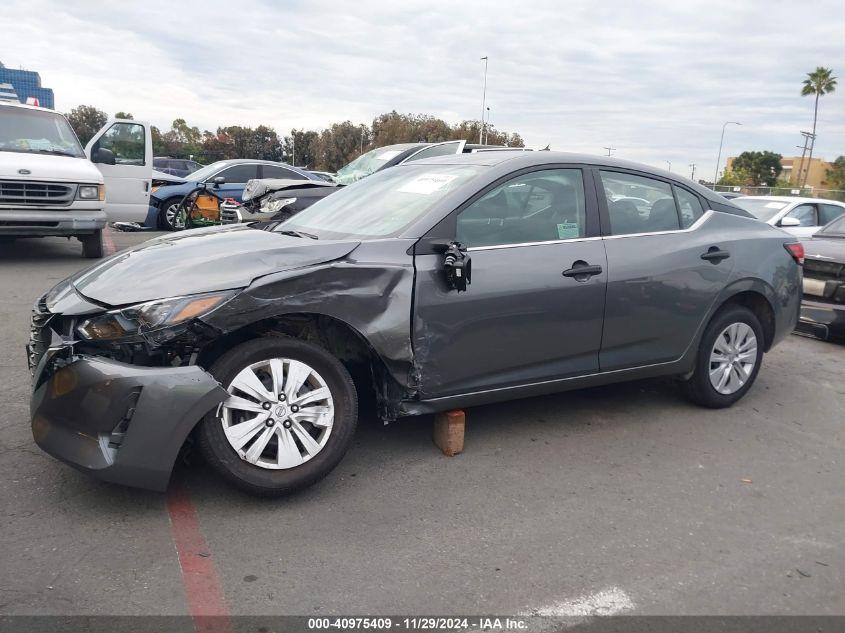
49,185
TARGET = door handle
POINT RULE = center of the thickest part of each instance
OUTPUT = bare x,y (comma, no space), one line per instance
582,271
714,254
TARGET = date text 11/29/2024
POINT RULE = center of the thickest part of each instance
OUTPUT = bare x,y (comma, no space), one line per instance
492,623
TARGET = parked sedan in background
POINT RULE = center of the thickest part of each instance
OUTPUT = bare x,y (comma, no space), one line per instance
440,284
823,307
175,166
164,201
799,216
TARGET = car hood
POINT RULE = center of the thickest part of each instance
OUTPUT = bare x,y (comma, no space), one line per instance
47,167
825,249
201,260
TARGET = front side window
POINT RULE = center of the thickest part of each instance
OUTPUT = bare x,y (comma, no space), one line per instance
539,206
829,212
805,214
239,173
639,205
383,204
37,132
690,207
126,141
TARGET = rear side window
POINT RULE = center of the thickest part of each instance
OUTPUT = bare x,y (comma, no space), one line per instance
540,206
690,207
639,205
829,212
273,171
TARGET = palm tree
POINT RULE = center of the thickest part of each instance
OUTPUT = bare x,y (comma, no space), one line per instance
819,82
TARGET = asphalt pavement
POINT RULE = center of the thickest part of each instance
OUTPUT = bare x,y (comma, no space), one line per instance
626,497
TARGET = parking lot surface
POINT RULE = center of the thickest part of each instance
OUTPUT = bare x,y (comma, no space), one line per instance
624,496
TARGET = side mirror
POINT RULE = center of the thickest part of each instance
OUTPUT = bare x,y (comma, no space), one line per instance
458,266
787,221
103,156
219,180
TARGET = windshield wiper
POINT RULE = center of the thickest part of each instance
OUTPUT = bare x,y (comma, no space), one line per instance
302,234
56,152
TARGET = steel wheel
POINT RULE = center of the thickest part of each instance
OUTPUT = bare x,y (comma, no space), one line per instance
733,358
279,413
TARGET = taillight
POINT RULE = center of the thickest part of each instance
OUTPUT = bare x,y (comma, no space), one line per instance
796,249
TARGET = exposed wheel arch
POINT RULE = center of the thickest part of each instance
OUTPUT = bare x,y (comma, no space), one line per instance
762,308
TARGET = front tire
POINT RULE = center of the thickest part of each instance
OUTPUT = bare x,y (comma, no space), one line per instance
729,357
169,216
92,245
289,419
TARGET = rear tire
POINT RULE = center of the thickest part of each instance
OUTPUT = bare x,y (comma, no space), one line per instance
92,245
271,455
725,367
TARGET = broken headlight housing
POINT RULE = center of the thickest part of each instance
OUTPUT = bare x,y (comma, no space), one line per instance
146,318
274,206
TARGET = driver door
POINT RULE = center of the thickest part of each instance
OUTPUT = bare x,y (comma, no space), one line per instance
128,180
527,315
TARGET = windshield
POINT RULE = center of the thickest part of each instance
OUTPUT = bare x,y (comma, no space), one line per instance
365,165
37,132
382,205
208,170
760,208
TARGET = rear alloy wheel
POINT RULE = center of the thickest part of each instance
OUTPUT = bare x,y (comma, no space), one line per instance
169,217
729,358
288,420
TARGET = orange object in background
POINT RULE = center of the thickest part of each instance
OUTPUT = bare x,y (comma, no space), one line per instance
206,207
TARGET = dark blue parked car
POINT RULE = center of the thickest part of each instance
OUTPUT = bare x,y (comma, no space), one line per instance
165,200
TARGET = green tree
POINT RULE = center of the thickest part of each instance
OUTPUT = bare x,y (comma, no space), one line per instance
836,173
300,147
759,168
819,82
124,115
86,121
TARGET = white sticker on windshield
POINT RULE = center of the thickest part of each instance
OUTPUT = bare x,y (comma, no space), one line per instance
775,205
426,184
391,153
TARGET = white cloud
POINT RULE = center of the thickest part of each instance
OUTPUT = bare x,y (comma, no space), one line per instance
654,79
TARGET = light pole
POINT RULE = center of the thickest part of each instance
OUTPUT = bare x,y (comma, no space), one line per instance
483,101
668,162
692,172
487,125
609,150
719,157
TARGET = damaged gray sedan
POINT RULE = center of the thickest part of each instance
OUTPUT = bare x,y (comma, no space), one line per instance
449,282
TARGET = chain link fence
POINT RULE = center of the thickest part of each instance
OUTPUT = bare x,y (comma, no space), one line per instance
807,192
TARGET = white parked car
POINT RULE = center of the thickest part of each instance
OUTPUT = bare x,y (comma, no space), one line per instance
49,185
799,216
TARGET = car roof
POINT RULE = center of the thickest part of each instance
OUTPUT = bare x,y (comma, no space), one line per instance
15,104
520,158
788,199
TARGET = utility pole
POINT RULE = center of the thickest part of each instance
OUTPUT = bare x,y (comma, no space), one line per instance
692,174
668,162
487,126
809,141
719,158
483,101
362,141
293,148
609,150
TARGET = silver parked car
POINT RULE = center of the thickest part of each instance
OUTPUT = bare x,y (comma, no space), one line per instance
443,283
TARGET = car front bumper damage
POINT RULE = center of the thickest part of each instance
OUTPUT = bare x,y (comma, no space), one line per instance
118,422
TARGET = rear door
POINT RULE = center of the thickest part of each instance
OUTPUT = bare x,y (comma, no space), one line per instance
529,315
666,265
129,179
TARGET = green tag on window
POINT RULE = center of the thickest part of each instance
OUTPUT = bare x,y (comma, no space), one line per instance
568,230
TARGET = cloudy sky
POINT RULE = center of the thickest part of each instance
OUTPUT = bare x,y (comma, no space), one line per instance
655,80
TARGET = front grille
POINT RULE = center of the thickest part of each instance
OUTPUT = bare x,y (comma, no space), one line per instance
25,193
229,214
39,334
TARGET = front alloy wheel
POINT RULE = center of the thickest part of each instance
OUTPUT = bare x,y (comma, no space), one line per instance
279,413
289,417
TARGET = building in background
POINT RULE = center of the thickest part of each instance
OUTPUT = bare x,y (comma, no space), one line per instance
816,170
24,86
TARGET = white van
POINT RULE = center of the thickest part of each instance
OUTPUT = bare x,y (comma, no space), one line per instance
49,185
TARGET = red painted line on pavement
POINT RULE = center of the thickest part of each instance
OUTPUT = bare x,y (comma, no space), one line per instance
203,591
108,243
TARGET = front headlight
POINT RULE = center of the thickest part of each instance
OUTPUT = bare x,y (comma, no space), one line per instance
274,206
149,317
91,192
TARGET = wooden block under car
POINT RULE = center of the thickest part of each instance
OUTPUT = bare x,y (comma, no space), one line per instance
449,432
